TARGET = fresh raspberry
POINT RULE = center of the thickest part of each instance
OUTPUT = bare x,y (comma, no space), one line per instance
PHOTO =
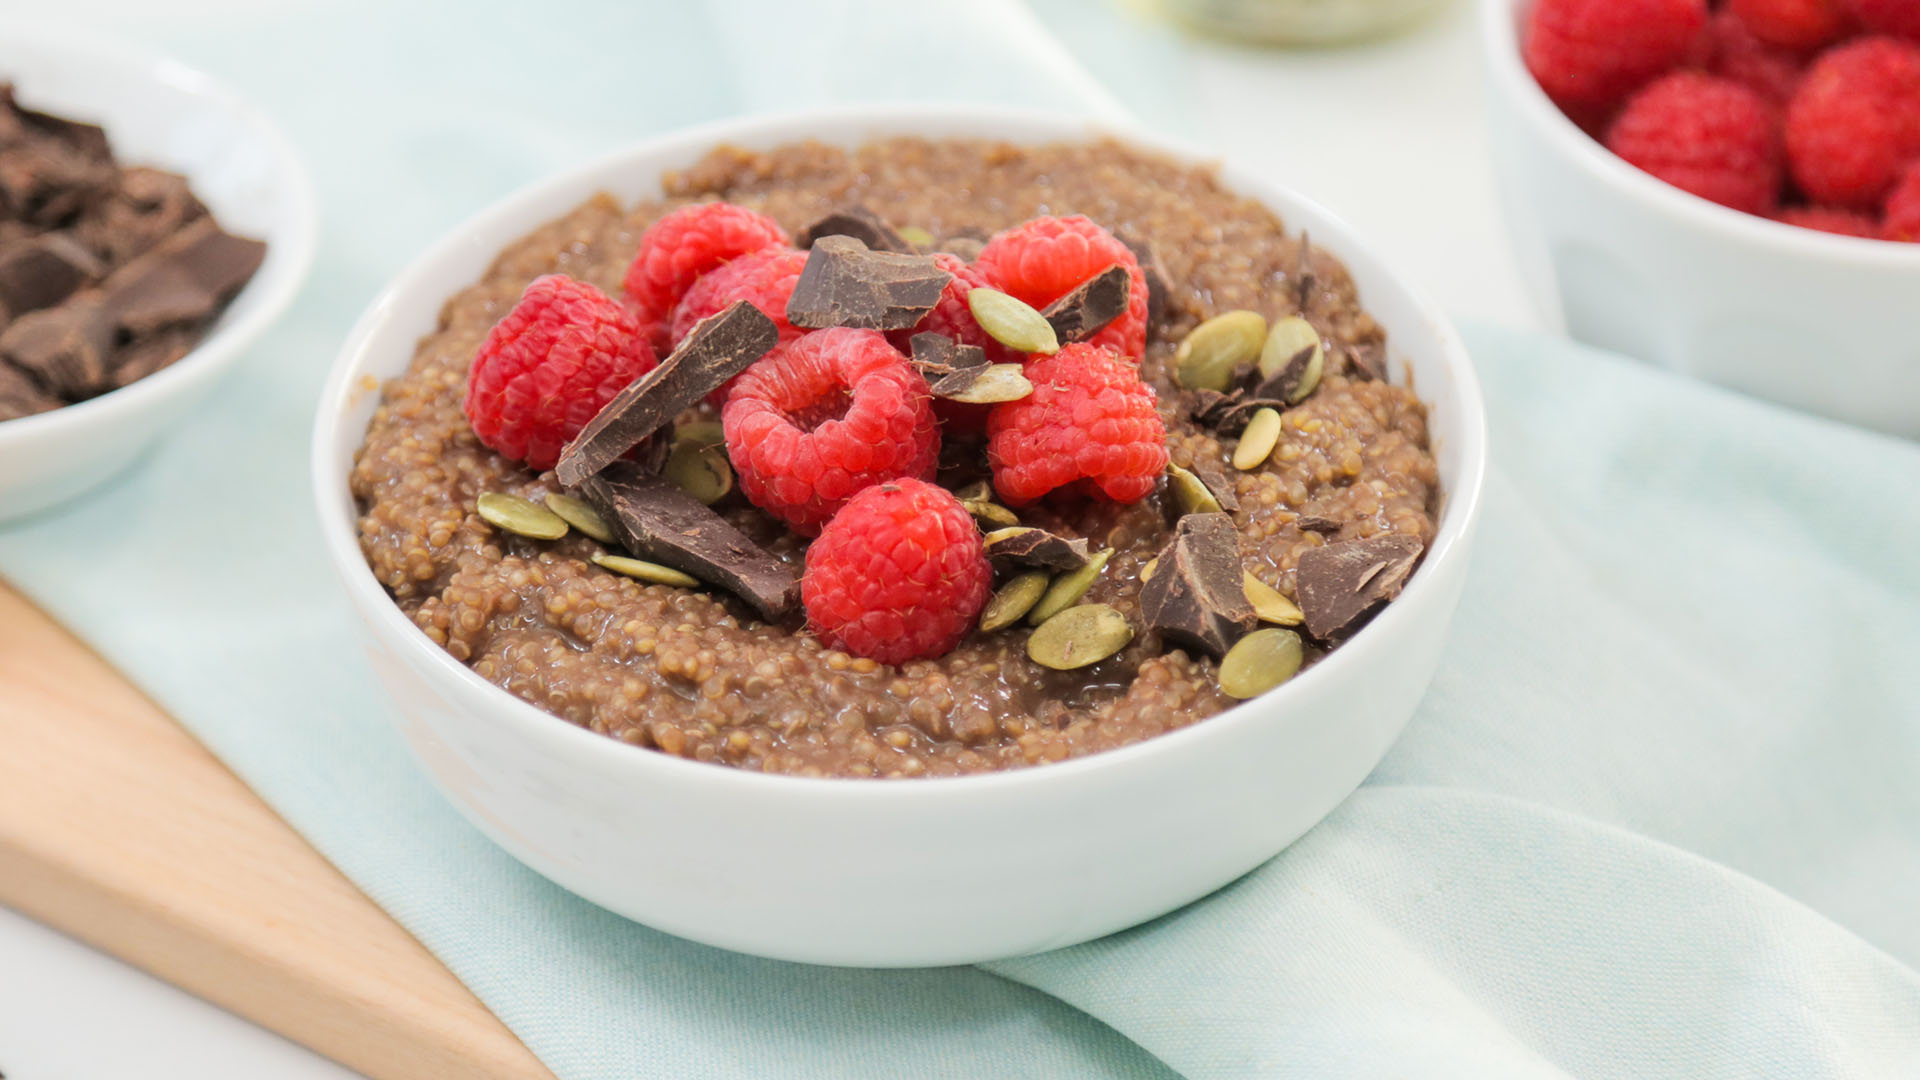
1793,24
545,369
822,417
678,248
1590,54
1829,219
899,574
952,317
1046,258
1900,18
1903,208
1089,418
1855,121
1712,137
764,278
1728,49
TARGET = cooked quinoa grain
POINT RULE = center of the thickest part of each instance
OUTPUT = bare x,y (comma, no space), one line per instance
692,673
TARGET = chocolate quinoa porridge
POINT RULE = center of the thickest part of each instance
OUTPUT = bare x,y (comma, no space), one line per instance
694,672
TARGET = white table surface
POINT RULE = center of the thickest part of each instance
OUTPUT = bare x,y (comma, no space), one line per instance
1341,125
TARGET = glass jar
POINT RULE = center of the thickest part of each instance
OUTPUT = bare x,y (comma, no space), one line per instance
1298,22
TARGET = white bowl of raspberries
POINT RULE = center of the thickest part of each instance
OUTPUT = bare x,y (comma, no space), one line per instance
1726,188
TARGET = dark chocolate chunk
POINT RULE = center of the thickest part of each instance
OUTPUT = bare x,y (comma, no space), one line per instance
1303,277
938,356
1233,419
1218,482
145,207
150,354
1338,584
656,520
860,223
715,350
87,140
1314,523
1205,407
1367,361
21,395
182,282
47,182
1159,289
1286,382
43,271
67,349
1195,597
844,284
1023,546
1091,305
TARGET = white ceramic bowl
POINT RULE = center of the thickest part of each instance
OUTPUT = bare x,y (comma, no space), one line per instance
159,113
1829,324
915,872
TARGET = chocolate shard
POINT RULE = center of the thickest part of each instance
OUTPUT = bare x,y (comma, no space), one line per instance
1159,288
44,270
147,355
1286,382
656,520
1337,585
1314,523
183,281
1195,597
860,223
715,350
1024,546
145,207
1303,276
1233,419
844,284
1091,305
938,356
1218,482
1367,361
21,395
66,349
1206,407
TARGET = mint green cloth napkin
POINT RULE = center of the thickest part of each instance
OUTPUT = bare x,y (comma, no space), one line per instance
1658,817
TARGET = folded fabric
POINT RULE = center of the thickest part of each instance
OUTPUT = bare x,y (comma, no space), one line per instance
1656,818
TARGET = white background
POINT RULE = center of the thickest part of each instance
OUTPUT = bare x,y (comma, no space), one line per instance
1389,135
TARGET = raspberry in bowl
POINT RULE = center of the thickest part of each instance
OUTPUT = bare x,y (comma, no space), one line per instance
1716,188
829,615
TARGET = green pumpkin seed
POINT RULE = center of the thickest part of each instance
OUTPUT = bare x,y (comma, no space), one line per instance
1208,357
581,515
1014,600
700,433
1289,338
1258,440
700,471
1079,636
511,513
1270,604
917,236
1259,662
990,513
1000,382
645,571
1191,495
1012,322
1068,588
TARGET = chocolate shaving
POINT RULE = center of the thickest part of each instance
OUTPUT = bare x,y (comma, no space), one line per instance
1090,306
1314,523
1022,546
938,356
1303,276
656,520
860,223
844,284
1218,482
1286,382
1339,584
41,272
65,349
1367,361
715,350
1233,420
1159,288
1206,407
1195,597
955,383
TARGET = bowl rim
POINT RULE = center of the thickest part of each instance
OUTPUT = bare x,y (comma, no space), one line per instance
280,277
333,442
1500,42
